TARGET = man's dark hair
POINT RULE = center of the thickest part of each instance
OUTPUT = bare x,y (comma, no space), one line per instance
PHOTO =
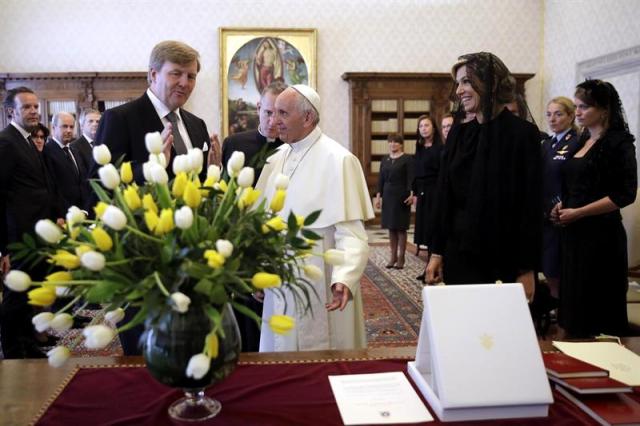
10,99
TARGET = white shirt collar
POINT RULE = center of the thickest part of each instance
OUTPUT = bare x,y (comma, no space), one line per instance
307,141
161,108
88,139
60,144
22,131
560,136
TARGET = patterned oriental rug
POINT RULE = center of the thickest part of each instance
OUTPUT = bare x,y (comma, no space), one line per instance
392,298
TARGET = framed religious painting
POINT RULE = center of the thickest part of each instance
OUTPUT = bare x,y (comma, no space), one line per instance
251,59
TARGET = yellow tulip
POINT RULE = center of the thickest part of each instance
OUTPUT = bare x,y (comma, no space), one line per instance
165,224
65,259
264,280
102,239
132,198
214,259
149,204
222,186
208,182
151,219
74,232
100,208
211,345
179,183
42,296
60,276
300,220
82,249
248,197
281,324
277,202
274,224
192,196
126,173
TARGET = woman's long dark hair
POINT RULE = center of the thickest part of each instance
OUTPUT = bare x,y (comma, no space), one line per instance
437,140
603,95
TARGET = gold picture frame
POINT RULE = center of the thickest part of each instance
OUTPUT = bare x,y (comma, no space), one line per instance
250,58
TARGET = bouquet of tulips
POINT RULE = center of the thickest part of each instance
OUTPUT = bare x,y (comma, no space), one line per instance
149,244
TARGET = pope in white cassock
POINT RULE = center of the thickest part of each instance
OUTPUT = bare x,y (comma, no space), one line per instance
323,175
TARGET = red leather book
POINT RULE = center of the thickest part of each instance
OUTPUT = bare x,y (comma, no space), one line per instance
587,385
563,366
607,409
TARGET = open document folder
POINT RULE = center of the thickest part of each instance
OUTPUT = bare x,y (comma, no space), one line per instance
622,364
478,355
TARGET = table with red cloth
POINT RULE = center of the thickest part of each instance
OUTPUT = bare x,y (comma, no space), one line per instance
265,389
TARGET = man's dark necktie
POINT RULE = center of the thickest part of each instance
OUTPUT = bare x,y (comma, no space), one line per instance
70,159
178,143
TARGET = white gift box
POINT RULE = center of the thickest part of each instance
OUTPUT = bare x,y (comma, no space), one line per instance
478,356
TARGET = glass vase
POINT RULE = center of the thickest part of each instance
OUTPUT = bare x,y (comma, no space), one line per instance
172,338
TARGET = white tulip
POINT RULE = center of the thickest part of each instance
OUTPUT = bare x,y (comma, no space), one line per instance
146,171
109,176
114,316
17,280
75,215
153,142
313,272
93,260
42,321
101,154
62,291
245,177
184,217
213,172
48,231
334,257
58,356
196,159
235,163
158,174
162,160
114,218
282,181
97,336
180,302
61,322
224,247
198,366
180,164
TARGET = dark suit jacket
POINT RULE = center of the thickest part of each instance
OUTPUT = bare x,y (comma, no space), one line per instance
27,192
123,130
71,185
83,151
252,143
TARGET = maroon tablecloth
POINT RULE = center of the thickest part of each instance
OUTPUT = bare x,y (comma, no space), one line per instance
267,394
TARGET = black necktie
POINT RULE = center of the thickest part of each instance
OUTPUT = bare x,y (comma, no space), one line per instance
178,143
67,154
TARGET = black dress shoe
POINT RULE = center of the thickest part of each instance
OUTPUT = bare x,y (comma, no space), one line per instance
421,277
390,265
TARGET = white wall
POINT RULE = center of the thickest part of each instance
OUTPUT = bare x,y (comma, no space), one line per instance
353,35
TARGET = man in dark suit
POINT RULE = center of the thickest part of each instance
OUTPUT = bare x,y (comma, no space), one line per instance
66,168
173,68
83,146
27,194
257,144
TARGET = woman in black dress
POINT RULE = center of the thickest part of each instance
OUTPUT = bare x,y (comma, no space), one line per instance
394,185
599,180
556,150
488,221
427,164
